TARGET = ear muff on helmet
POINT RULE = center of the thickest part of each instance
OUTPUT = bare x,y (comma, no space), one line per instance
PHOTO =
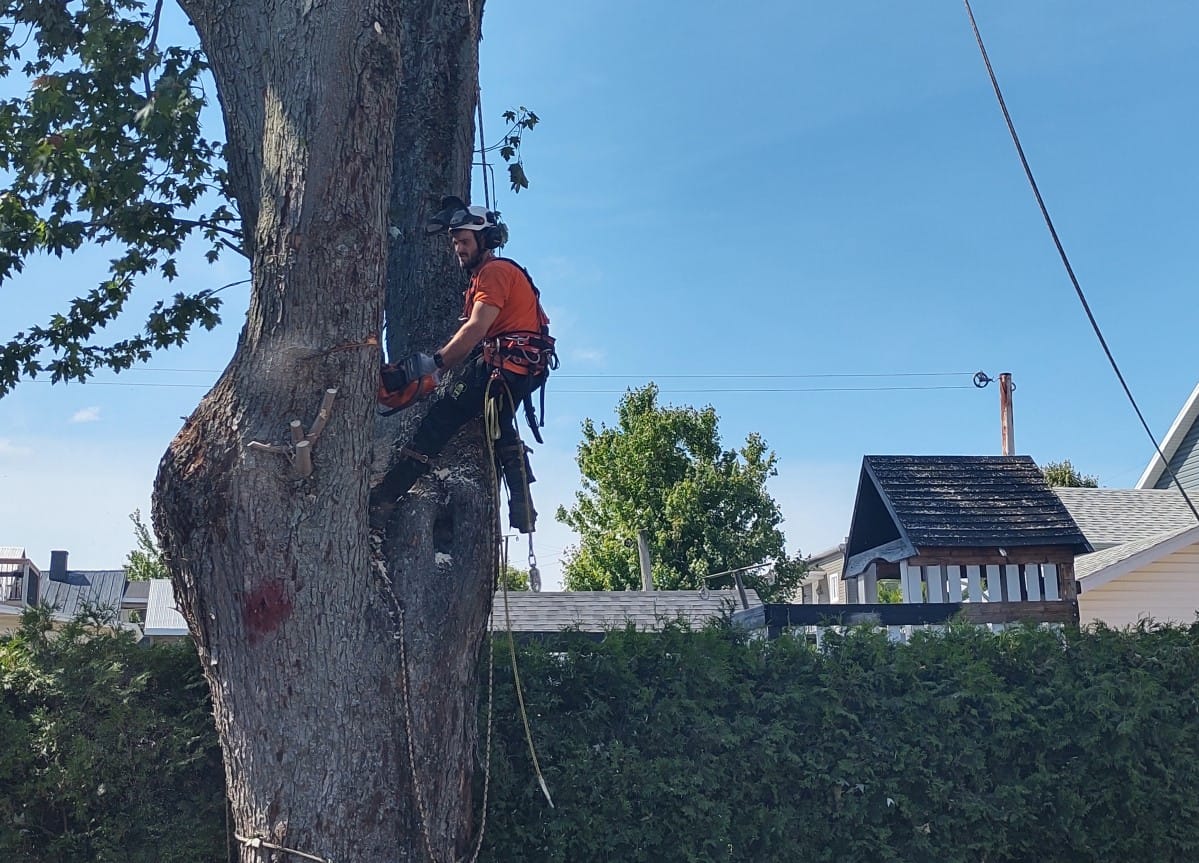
495,234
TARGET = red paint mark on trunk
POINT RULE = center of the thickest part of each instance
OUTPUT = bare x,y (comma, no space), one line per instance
263,610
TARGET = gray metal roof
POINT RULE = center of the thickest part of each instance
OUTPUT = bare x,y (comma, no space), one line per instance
1112,516
958,502
601,610
162,618
99,588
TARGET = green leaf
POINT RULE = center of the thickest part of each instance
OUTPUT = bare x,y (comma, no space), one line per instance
516,175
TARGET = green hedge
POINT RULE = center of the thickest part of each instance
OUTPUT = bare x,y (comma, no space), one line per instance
680,746
960,746
107,750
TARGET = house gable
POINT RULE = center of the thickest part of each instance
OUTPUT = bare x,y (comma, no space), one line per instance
1095,570
1181,450
874,523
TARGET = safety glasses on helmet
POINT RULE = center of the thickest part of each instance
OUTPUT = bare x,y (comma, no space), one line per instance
454,214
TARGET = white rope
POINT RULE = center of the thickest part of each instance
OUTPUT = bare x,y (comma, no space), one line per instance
259,842
520,697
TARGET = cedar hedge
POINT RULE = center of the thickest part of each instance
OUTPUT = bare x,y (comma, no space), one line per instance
959,746
108,752
682,746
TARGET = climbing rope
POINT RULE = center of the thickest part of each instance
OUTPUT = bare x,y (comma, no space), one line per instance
396,613
259,842
491,414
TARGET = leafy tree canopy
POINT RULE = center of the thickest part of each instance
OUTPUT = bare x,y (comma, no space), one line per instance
1063,474
144,562
104,148
705,509
514,578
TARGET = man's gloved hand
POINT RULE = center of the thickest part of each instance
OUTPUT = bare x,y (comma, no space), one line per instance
418,365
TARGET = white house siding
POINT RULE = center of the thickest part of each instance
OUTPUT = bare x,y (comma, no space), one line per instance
1166,590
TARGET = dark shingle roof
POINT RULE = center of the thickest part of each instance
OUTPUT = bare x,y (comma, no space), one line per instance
958,502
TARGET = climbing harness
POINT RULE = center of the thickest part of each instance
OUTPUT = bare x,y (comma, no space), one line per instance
532,352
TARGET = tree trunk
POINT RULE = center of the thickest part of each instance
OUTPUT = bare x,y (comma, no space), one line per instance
441,550
303,631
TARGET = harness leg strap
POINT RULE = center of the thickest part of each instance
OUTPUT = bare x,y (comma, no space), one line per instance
411,466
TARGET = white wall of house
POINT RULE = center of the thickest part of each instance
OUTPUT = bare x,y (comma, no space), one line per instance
1166,590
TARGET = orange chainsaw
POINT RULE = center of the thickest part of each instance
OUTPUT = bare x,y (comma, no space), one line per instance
401,385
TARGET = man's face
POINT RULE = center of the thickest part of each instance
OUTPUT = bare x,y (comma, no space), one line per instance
466,247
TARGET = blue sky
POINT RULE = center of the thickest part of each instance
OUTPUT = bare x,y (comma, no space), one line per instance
749,204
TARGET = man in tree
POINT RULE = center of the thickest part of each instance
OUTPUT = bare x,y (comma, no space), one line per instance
505,344
342,124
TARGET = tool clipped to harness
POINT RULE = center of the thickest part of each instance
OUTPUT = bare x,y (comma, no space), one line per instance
403,384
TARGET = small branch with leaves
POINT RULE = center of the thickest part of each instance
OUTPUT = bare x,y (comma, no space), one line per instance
519,121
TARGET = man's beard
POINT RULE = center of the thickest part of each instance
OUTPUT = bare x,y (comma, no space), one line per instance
474,260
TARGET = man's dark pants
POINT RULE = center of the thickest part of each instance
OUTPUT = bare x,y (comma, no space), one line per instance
454,406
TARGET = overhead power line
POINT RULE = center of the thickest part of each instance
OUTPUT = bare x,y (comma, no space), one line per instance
751,390
1066,260
559,375
700,390
754,376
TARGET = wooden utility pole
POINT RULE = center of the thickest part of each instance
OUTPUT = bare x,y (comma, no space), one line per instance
647,576
1005,413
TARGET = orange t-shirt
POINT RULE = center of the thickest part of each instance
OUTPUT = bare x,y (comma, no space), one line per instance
501,284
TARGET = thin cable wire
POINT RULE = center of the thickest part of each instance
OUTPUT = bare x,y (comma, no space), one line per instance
482,145
776,377
1066,261
676,391
559,375
749,391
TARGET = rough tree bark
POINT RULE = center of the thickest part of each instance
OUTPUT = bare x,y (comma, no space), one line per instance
328,109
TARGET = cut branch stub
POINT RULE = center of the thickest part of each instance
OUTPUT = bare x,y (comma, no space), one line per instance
300,449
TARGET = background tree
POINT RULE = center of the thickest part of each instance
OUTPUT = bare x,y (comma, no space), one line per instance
514,578
319,675
144,562
663,470
1063,474
105,148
